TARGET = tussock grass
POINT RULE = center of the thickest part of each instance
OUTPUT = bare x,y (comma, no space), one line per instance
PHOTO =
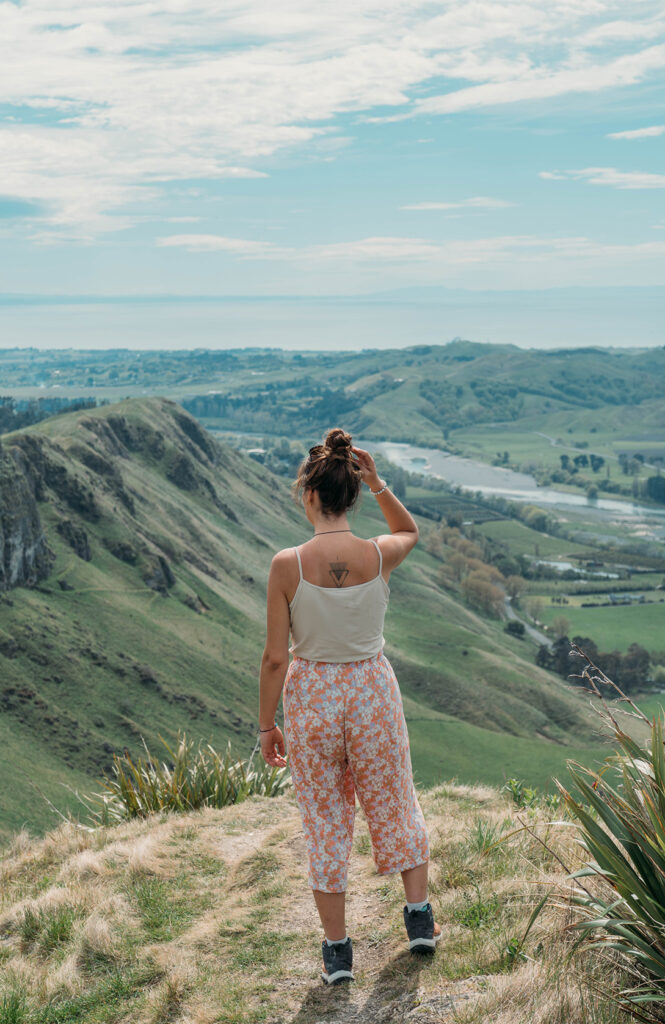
196,777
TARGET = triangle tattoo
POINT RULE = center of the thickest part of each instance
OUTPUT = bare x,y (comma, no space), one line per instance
339,572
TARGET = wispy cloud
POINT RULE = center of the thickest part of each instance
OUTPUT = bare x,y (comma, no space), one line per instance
533,82
112,101
382,249
609,176
219,243
490,251
639,133
475,202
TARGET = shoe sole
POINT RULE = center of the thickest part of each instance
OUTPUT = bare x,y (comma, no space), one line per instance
424,945
340,975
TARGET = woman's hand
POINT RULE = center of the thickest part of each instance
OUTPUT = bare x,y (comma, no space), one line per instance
367,468
272,748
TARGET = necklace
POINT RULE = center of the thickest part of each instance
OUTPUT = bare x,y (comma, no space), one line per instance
322,533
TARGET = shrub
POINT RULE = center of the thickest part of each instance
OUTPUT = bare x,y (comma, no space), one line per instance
481,593
196,778
515,628
622,826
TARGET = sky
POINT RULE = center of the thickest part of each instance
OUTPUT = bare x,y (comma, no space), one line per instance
375,146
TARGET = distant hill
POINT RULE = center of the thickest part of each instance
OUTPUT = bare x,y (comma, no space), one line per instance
416,394
136,606
421,394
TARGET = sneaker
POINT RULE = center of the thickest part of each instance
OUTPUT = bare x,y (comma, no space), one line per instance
337,961
422,930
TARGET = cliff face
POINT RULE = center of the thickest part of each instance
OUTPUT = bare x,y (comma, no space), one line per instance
25,557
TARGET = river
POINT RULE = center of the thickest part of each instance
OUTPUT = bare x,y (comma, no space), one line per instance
498,481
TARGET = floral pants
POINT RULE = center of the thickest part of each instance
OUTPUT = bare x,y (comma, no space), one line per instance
345,734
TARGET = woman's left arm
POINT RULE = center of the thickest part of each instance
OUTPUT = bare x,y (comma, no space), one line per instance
275,662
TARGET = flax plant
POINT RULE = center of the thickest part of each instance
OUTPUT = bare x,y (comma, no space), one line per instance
195,778
622,827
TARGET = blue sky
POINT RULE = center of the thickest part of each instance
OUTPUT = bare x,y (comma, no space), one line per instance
248,148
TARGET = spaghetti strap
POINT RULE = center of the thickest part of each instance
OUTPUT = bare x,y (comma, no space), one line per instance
299,562
380,557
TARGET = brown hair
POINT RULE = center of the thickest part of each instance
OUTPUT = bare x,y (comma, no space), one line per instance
331,470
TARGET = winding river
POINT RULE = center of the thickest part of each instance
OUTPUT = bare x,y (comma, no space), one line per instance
473,476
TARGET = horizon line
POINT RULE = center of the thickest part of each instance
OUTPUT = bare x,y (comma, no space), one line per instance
417,293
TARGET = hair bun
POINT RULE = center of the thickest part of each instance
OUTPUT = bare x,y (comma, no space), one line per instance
338,443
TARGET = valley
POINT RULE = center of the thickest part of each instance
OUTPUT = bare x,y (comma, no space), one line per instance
162,497
149,616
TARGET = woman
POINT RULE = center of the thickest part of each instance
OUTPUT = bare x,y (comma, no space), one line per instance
343,714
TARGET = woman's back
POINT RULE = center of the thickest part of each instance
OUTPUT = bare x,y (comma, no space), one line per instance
338,609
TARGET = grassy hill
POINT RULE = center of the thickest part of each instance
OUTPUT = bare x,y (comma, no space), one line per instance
152,619
425,393
206,917
411,394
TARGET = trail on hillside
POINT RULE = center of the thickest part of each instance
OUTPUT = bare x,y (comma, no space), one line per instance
207,918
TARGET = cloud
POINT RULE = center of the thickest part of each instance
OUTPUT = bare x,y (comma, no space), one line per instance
534,83
219,243
621,31
476,202
115,102
379,248
609,176
384,249
525,250
639,133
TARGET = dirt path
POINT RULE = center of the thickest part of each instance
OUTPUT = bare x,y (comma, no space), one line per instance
391,984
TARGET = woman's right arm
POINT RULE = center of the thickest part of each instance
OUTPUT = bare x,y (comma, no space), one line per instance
403,528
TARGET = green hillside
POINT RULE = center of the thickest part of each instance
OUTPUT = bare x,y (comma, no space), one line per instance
424,393
152,619
412,394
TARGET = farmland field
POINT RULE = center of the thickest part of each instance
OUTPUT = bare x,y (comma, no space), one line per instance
614,627
522,540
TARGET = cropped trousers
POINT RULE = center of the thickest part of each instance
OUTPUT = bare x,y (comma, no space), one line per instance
346,734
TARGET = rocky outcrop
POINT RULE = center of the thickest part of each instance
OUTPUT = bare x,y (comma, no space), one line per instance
46,466
158,575
77,538
25,557
88,477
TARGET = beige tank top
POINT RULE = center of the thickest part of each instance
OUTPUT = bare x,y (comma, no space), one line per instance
339,623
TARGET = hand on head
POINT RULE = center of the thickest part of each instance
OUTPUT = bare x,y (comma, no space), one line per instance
365,462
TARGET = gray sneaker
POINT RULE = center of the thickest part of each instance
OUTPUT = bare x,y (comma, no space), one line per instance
422,930
337,962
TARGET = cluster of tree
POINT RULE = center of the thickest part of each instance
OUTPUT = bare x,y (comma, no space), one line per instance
466,568
596,462
14,415
301,405
631,464
655,488
537,519
452,406
652,487
630,670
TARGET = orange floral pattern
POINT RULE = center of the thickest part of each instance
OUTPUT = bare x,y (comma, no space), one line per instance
346,734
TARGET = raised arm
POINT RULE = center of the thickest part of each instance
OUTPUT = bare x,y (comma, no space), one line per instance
403,535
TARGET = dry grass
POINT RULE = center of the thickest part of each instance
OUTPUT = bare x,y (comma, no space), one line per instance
206,918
